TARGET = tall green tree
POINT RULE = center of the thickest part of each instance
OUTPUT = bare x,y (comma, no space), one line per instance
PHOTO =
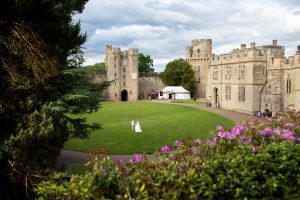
42,85
179,73
145,63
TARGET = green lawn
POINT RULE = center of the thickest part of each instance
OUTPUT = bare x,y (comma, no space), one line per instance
161,124
189,101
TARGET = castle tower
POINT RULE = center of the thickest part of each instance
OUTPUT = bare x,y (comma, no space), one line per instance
297,78
199,55
122,69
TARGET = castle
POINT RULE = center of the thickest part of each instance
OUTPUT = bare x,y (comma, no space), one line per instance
127,83
246,79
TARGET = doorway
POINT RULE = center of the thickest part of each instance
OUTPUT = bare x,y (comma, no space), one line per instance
215,97
124,95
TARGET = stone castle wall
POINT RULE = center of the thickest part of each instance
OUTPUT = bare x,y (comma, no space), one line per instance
122,69
127,83
198,55
254,79
149,82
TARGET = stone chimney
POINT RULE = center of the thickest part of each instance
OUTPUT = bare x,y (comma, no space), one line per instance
274,42
253,44
243,46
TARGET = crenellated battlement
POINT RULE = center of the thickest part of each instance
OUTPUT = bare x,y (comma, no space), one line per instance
252,53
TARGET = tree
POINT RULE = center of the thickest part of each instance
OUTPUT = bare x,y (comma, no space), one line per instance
98,66
43,85
145,63
179,73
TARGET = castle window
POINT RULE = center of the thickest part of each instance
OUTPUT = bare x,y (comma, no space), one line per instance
124,77
115,84
215,74
124,69
199,80
288,85
241,93
198,69
115,74
241,72
115,57
228,73
124,83
228,92
116,94
198,50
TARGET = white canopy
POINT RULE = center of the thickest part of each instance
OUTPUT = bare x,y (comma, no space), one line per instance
174,89
174,92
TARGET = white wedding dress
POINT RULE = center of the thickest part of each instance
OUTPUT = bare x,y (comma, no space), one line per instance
137,127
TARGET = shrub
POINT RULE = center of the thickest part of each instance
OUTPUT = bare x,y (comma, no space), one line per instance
252,160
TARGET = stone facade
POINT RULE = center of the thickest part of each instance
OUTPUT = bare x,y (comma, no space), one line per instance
127,83
253,79
149,82
122,69
199,56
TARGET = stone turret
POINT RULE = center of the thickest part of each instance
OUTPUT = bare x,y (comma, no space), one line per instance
199,55
122,68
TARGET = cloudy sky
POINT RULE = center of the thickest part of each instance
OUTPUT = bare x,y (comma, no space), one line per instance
163,28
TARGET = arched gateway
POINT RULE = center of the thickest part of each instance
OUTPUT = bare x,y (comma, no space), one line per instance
124,95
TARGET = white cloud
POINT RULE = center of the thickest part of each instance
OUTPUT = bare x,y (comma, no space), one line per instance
162,28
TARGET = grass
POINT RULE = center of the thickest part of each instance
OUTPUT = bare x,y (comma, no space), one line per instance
161,124
188,101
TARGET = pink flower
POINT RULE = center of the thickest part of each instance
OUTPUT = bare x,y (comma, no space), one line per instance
209,142
277,131
165,149
197,141
216,139
221,134
219,127
254,150
239,129
119,161
289,124
229,135
177,143
137,158
287,134
244,140
266,131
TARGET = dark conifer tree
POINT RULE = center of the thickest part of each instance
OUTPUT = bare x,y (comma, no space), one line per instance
42,84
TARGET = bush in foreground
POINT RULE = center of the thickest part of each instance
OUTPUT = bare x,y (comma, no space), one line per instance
252,160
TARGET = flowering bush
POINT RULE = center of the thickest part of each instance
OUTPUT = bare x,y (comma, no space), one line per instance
252,160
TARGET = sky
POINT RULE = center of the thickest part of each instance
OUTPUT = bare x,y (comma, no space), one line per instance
163,28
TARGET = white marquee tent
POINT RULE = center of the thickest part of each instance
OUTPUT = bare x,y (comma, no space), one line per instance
174,92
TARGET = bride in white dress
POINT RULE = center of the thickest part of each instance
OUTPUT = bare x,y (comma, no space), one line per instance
137,127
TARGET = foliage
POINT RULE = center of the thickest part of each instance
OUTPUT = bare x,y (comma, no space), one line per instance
145,63
179,73
97,67
155,119
42,82
251,161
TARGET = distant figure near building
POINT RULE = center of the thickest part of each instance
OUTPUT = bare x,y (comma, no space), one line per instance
132,124
137,127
